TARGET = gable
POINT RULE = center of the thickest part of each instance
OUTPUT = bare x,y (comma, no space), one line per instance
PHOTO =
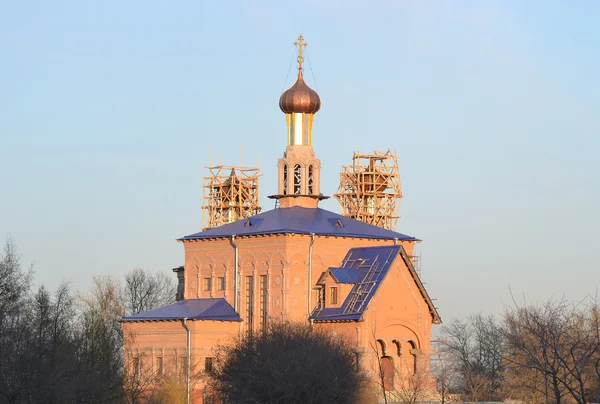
367,268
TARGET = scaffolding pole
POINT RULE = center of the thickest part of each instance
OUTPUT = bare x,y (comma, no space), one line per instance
230,193
370,189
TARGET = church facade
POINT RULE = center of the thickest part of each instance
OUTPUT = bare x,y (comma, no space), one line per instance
297,262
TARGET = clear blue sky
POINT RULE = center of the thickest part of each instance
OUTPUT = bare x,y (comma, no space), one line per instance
108,109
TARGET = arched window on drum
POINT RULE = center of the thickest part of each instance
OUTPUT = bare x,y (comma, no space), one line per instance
285,179
297,179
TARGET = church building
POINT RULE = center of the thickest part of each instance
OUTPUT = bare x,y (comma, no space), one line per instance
297,262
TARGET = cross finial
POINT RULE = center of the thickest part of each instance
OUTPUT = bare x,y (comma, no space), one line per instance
300,44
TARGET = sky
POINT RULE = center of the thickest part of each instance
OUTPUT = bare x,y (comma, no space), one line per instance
109,110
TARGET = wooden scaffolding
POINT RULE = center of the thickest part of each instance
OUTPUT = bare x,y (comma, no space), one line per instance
230,193
370,189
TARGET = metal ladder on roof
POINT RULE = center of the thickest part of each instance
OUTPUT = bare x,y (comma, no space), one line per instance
364,288
352,262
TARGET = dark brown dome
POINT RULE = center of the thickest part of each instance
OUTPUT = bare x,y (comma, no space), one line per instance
300,98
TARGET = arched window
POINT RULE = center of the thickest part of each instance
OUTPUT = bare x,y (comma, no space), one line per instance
398,347
387,370
386,366
285,179
381,347
297,179
413,358
310,180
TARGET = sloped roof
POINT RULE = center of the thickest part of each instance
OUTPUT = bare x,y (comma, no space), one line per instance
348,275
300,220
366,267
192,309
362,267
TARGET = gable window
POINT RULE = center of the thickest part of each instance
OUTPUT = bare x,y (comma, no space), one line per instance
221,283
207,284
333,295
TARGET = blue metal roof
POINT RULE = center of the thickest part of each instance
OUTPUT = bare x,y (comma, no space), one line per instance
300,220
192,309
348,275
366,267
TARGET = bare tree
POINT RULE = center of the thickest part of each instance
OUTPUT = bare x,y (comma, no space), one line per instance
14,281
100,342
172,390
16,340
52,373
288,363
54,348
139,378
414,388
397,384
560,340
475,347
594,324
442,368
527,385
145,291
383,379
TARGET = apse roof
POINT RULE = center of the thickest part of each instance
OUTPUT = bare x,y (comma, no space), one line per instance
192,309
300,220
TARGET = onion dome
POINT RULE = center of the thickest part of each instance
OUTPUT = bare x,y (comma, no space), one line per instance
300,98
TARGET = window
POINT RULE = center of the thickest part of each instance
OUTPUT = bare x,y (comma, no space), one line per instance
207,284
387,370
221,283
398,347
136,365
310,180
413,357
297,176
158,365
208,364
334,295
250,302
182,366
263,301
285,179
321,298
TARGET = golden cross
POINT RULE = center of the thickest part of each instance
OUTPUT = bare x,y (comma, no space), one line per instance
300,44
